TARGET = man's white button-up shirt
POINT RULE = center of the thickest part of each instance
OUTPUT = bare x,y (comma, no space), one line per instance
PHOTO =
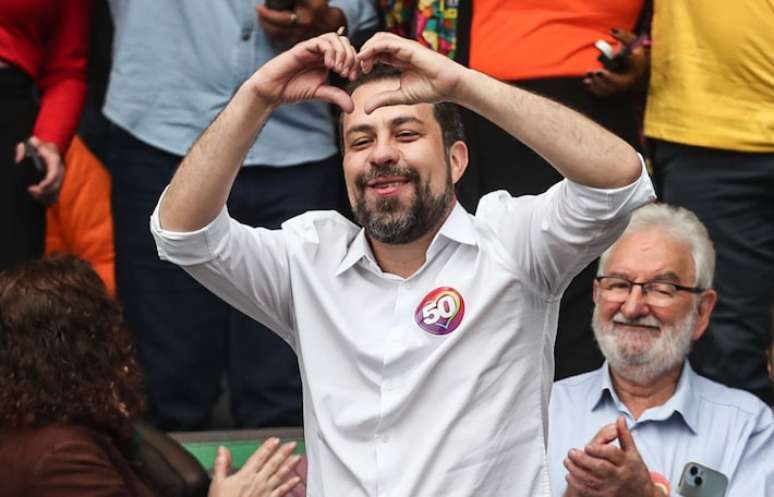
435,385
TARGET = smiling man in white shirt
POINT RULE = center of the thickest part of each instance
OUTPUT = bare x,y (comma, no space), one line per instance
424,338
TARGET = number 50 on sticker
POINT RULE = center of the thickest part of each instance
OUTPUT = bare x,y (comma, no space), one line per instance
441,311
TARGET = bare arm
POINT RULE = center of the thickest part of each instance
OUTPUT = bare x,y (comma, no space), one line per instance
577,147
201,185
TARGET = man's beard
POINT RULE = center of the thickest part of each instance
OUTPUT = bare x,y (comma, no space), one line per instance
637,356
389,221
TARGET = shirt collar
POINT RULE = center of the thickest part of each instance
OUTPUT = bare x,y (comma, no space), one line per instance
603,389
458,227
358,249
683,402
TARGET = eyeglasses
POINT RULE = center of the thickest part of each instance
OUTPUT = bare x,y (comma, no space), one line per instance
657,293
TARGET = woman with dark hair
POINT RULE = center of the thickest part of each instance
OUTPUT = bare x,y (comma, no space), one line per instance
70,393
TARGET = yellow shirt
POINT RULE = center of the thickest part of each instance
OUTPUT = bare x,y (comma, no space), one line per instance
712,76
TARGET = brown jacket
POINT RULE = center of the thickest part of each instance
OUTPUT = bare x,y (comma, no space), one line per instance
65,461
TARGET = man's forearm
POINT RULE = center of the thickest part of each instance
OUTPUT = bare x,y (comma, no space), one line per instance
201,184
577,147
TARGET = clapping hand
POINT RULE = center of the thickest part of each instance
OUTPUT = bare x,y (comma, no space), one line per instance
604,470
267,473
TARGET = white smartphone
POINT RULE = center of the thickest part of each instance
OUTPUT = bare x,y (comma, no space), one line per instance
700,481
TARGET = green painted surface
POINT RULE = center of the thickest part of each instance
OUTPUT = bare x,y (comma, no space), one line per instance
241,450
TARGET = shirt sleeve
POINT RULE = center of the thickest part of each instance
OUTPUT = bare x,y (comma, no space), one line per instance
62,78
246,267
360,14
551,237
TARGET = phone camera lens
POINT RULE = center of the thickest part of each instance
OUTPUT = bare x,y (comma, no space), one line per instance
698,481
694,470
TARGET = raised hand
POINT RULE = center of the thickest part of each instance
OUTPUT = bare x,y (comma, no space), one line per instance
301,73
604,470
427,76
267,473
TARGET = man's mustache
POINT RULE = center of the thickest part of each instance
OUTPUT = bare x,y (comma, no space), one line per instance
386,171
649,321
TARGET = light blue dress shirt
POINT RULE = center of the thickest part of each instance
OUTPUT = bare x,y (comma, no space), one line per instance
726,429
176,63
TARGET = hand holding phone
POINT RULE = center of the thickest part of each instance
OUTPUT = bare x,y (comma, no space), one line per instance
34,168
624,71
619,62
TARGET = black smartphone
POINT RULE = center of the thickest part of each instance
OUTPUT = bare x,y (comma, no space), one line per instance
618,62
280,4
34,169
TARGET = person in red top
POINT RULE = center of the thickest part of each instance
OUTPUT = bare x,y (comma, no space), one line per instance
43,46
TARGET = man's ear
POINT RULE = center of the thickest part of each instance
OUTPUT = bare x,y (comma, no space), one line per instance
458,159
595,292
707,302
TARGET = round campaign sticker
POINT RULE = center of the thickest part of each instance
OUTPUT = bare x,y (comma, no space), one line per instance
441,311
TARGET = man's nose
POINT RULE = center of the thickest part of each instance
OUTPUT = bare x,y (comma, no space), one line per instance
635,305
384,152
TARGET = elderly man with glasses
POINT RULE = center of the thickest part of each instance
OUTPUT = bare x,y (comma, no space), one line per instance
629,428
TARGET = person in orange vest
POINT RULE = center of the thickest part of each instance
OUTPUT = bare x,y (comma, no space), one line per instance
79,222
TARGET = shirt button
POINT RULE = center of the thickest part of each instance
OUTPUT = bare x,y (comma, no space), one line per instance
246,34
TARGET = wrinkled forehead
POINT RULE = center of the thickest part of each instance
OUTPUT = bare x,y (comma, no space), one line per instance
651,253
383,115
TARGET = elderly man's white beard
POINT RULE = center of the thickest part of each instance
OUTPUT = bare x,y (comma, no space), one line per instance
645,355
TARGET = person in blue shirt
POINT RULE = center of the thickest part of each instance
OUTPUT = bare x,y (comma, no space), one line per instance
629,428
175,66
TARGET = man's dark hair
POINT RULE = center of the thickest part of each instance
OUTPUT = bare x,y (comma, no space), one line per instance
446,114
65,356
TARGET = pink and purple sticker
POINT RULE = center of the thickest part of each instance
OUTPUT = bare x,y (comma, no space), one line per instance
441,311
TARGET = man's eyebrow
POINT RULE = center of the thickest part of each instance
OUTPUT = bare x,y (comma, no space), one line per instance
405,120
667,276
397,121
670,276
359,128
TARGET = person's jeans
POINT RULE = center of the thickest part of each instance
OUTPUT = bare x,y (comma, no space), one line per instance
733,195
186,337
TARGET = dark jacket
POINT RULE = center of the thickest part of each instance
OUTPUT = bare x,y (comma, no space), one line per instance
65,460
